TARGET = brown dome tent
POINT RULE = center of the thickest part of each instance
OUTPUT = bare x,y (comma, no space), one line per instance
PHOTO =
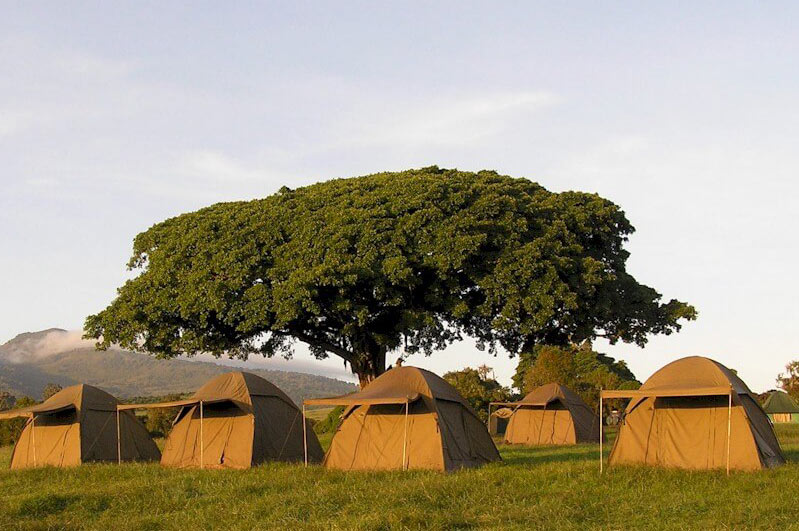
236,420
407,418
551,414
77,425
695,413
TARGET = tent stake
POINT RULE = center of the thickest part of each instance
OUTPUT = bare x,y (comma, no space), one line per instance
729,422
202,443
304,435
601,458
119,442
405,440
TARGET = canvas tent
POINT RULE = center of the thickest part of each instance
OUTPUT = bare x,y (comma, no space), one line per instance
77,425
236,420
695,413
780,407
551,414
407,418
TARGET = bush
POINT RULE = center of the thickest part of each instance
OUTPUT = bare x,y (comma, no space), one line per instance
330,423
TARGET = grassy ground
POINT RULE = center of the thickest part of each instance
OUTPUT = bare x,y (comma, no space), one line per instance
533,488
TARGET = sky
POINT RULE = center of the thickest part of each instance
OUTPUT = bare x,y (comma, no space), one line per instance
115,116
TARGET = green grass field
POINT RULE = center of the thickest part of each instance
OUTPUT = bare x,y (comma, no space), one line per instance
533,488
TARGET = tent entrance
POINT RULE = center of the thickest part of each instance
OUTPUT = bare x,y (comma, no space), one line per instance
54,438
216,425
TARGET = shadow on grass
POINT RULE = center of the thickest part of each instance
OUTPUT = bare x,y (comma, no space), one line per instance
45,505
534,455
791,455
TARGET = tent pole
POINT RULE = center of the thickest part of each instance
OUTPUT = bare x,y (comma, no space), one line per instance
601,458
488,422
119,442
729,422
202,443
541,426
33,436
405,440
304,435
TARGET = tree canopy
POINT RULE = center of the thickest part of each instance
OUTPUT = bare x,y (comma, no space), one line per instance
477,388
50,389
579,368
364,266
789,380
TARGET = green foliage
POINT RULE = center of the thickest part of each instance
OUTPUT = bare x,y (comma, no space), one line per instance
50,389
25,401
158,421
479,390
526,361
11,429
7,400
581,369
364,266
789,380
330,423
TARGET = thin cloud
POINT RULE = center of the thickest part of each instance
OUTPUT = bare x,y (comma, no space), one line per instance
452,122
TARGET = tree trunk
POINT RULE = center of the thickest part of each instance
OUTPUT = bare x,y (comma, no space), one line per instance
369,365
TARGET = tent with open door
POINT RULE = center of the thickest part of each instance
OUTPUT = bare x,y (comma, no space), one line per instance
407,418
77,425
551,414
695,413
781,408
236,420
498,420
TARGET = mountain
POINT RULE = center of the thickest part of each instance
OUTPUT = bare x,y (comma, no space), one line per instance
33,359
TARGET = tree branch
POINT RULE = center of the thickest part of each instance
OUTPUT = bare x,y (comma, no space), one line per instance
327,345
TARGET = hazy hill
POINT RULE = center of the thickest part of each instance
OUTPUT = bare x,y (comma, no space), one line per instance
31,360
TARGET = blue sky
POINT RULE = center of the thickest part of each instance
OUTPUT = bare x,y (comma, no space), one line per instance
116,116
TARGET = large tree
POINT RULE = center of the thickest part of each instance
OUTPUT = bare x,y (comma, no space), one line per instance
361,267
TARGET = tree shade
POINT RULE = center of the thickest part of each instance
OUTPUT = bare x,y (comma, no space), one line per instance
364,266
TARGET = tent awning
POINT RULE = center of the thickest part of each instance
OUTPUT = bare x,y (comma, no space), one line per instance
30,411
668,392
522,403
355,400
174,403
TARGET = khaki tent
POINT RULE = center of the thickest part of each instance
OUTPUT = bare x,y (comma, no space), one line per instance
551,414
76,425
695,413
236,420
780,407
407,418
498,420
